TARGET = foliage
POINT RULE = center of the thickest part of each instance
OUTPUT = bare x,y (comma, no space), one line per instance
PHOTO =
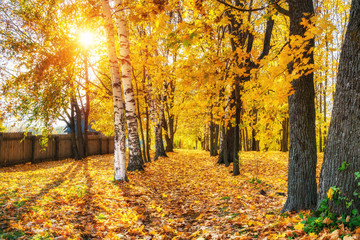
185,43
323,219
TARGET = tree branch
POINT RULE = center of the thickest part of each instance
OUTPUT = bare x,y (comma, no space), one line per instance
280,9
240,9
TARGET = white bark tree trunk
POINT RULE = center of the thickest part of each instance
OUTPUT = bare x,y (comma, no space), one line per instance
120,135
135,157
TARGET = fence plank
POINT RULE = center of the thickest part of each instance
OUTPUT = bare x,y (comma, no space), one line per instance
17,148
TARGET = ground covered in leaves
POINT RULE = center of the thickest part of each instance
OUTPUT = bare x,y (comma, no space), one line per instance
184,196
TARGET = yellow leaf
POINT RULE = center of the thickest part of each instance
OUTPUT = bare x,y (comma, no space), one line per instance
312,235
299,226
330,193
199,217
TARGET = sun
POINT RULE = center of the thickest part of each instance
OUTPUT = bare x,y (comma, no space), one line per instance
86,39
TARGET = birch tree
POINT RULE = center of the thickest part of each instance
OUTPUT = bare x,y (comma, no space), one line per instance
135,158
120,136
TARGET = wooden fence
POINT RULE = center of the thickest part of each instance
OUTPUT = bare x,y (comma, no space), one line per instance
18,148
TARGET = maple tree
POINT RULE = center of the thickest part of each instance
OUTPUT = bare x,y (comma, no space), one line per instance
340,168
302,190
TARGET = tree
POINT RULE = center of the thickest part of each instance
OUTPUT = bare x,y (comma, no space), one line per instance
341,160
302,192
230,146
135,158
120,136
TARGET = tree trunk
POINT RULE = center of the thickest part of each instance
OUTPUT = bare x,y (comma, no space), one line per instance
148,140
221,142
325,88
79,132
73,130
255,144
216,140
320,111
170,124
213,136
135,158
302,154
140,121
206,137
247,140
231,145
285,135
343,142
169,133
87,109
226,153
120,135
159,143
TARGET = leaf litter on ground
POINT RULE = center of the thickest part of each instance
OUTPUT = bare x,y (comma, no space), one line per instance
184,196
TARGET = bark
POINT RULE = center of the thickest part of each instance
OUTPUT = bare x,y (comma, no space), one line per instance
230,146
159,143
247,139
157,119
135,158
302,192
148,140
86,110
206,138
236,129
320,107
79,133
72,127
344,131
325,89
169,130
255,144
120,135
139,118
169,125
221,144
226,152
285,135
213,137
216,139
